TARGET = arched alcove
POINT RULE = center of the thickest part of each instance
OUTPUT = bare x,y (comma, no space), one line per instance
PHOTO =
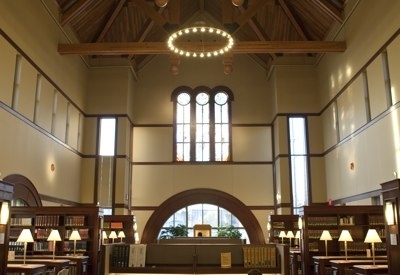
24,190
194,196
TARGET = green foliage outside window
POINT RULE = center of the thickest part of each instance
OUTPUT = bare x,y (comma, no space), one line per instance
174,231
229,231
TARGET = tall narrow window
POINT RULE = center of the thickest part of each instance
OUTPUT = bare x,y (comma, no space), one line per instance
202,124
107,137
298,161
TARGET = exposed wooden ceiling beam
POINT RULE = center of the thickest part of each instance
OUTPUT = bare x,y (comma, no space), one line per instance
329,9
111,20
292,19
76,10
239,47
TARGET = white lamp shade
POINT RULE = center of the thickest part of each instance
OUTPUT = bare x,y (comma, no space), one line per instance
372,237
325,236
345,236
75,236
121,234
290,234
54,235
104,235
5,212
25,236
112,235
282,234
297,236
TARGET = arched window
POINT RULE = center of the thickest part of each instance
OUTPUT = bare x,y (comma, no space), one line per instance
204,213
202,126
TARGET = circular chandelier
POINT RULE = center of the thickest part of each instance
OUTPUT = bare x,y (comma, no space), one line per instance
200,41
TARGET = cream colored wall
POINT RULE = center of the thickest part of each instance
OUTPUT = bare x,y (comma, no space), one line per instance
31,25
155,84
373,150
250,143
25,149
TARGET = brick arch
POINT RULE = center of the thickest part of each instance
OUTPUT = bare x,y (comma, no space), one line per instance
24,189
194,196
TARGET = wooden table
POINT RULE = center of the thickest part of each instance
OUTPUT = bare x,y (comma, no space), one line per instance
371,269
55,264
339,267
27,269
321,263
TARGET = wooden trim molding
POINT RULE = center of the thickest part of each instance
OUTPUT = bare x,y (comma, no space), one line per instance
24,189
211,196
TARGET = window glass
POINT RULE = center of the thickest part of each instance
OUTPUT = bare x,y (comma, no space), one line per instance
107,137
298,161
205,134
205,214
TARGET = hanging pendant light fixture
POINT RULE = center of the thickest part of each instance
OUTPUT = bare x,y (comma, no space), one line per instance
200,41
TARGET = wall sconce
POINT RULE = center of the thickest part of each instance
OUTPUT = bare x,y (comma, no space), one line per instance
54,236
75,237
121,235
104,236
5,212
326,236
345,237
372,238
389,213
25,237
300,223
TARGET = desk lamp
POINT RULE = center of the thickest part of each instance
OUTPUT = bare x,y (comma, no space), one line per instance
282,235
290,235
54,236
25,237
112,236
121,235
75,237
372,238
326,236
345,237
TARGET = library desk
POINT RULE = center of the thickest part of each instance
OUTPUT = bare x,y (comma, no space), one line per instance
339,267
322,263
371,269
77,264
55,265
27,269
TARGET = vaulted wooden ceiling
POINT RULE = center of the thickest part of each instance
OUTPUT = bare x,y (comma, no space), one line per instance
136,30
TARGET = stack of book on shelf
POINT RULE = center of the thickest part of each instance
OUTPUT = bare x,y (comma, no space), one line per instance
262,256
128,255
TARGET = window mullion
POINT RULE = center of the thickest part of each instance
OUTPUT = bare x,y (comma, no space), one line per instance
193,130
212,129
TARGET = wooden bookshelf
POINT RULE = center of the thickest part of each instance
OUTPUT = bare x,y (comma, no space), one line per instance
41,220
391,199
6,194
356,219
119,223
282,223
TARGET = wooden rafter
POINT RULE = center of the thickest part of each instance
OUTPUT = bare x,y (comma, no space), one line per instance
292,19
150,12
329,9
244,17
239,47
76,10
111,20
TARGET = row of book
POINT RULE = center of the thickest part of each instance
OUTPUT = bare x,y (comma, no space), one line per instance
263,256
128,255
